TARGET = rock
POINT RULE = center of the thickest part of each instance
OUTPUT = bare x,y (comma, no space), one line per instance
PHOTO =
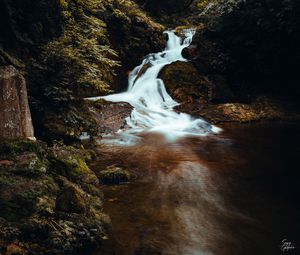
71,163
114,175
16,249
186,85
243,41
71,200
30,162
190,52
6,163
110,117
261,108
15,118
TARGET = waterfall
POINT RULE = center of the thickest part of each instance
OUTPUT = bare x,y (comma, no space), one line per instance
153,106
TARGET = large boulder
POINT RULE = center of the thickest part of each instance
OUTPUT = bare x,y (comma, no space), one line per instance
71,200
15,117
186,85
110,117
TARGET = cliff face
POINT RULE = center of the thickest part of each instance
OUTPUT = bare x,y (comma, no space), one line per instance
15,118
252,44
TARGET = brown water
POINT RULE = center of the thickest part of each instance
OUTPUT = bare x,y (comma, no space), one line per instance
234,193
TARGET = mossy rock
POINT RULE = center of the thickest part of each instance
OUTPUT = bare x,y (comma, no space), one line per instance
71,200
70,162
30,164
114,175
14,147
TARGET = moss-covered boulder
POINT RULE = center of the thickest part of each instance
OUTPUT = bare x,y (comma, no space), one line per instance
9,149
71,200
70,162
30,163
114,175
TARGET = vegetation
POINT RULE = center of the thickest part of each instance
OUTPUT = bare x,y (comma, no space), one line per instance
51,208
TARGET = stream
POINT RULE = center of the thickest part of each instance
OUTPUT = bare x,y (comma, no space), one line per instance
152,105
198,189
237,193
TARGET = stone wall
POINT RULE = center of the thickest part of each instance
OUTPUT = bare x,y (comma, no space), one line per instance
15,117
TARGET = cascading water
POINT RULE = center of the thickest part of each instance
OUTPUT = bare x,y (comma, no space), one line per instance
153,106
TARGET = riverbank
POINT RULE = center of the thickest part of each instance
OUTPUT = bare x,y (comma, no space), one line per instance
50,201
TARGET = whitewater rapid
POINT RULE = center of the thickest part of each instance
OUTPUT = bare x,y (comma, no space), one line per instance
152,105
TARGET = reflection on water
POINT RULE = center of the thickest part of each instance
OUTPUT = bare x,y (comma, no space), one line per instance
235,193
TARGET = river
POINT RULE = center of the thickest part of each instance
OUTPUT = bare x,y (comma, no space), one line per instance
235,193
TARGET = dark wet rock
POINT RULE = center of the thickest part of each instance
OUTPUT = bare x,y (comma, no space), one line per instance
186,85
6,162
114,175
71,200
190,52
252,44
15,118
110,117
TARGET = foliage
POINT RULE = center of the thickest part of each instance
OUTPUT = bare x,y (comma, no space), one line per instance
82,55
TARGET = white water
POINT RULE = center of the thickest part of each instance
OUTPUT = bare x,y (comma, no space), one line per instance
153,106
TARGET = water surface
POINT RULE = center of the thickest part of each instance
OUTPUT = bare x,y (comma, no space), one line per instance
233,193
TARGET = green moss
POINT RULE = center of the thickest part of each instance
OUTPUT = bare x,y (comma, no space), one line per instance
63,3
80,167
31,167
202,4
12,148
71,163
